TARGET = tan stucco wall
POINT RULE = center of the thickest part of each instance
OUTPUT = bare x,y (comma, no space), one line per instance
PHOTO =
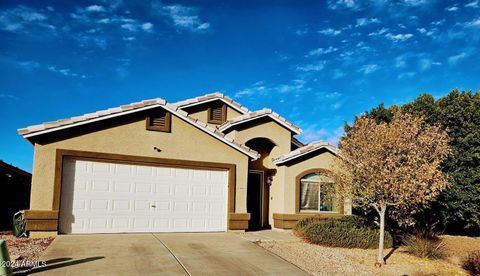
321,161
184,142
279,135
282,138
202,115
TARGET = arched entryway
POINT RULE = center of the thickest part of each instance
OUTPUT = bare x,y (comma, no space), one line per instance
260,174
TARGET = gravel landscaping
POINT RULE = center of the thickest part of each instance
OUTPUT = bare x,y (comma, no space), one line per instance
320,260
24,252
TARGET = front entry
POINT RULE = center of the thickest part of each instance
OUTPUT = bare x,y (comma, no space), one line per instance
254,199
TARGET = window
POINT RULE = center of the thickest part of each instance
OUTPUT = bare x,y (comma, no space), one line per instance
217,114
159,122
317,193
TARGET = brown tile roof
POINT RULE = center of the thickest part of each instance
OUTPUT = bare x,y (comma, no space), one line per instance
266,112
212,97
311,147
131,108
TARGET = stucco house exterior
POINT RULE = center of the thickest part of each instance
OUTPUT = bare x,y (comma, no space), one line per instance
199,165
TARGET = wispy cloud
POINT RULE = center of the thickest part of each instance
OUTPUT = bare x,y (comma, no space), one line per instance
406,75
330,31
65,72
426,63
400,61
379,32
27,65
425,31
95,8
312,67
24,19
366,21
337,74
313,133
473,4
294,88
136,26
475,23
398,37
415,2
182,17
9,96
302,31
123,69
456,58
343,4
321,51
33,66
368,68
452,9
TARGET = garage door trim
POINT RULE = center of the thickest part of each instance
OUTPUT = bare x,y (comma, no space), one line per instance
139,160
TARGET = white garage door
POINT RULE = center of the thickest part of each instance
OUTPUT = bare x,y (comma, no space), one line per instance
99,197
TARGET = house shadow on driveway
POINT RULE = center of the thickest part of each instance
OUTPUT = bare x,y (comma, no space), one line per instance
161,253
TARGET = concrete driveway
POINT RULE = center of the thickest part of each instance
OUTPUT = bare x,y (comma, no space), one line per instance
172,253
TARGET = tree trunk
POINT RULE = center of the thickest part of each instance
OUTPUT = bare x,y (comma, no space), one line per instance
381,213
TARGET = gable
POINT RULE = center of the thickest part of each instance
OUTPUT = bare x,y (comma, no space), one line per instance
200,111
263,128
92,122
129,136
263,114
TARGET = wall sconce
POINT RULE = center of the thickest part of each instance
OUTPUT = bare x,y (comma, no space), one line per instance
269,180
157,149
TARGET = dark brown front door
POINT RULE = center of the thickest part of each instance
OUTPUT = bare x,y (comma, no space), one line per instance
254,199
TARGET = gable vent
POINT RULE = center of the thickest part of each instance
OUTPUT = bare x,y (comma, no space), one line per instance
217,114
159,122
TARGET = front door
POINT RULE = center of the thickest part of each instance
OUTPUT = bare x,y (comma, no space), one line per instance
254,199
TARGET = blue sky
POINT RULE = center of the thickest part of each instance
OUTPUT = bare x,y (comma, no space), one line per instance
317,63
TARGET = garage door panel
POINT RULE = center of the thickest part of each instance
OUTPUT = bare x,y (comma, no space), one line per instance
99,197
100,186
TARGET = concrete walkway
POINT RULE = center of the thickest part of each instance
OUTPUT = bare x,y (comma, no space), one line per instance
166,254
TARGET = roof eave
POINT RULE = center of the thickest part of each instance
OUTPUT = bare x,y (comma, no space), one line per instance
40,132
250,153
211,100
230,125
286,160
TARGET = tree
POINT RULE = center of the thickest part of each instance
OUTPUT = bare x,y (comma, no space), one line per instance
456,209
391,165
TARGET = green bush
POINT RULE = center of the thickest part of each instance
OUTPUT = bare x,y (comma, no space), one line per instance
425,245
347,231
471,263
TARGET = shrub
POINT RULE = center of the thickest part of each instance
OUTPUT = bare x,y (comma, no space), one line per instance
347,232
471,263
425,244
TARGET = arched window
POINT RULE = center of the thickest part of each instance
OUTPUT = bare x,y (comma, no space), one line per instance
317,193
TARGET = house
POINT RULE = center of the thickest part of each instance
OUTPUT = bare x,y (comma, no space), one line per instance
15,185
199,165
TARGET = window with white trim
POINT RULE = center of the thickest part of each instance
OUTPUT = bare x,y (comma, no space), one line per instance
317,193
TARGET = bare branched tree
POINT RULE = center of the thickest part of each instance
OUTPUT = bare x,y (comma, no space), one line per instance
394,165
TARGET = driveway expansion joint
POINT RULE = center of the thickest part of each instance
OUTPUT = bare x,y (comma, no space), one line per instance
173,254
